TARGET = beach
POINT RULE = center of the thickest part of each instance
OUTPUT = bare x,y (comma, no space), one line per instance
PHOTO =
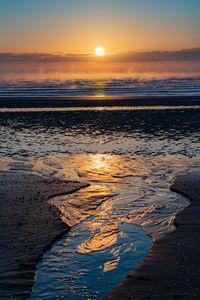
171,268
100,149
169,271
29,225
129,151
100,144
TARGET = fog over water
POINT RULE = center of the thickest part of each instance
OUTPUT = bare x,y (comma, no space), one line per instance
125,121
99,78
129,150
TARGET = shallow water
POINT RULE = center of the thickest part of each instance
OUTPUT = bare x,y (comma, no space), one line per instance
142,131
130,158
42,78
157,84
106,242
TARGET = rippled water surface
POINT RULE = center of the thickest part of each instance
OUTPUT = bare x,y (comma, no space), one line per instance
129,157
106,242
88,87
149,131
22,79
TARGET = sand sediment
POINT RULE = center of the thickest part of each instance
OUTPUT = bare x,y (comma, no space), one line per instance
28,226
171,269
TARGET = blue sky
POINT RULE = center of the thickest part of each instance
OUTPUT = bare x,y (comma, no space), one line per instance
118,25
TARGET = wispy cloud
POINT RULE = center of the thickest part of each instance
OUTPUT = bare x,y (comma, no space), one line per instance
180,55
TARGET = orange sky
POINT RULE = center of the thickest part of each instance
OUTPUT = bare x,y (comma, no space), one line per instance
79,26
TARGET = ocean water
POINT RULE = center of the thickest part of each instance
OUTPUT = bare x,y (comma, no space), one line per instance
101,87
128,148
143,130
130,154
40,79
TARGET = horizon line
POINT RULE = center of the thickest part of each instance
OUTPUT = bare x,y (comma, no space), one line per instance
190,54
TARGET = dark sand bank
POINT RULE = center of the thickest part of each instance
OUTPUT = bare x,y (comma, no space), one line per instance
90,101
28,227
171,269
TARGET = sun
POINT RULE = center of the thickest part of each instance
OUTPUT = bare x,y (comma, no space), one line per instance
99,51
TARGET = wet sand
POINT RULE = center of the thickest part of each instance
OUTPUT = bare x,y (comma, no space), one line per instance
28,227
171,269
91,101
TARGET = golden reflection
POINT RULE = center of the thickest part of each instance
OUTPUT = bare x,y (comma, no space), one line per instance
101,161
79,206
97,108
111,265
106,237
103,168
98,168
103,215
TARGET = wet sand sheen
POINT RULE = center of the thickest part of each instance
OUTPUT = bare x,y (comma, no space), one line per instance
96,108
28,227
171,268
143,198
31,184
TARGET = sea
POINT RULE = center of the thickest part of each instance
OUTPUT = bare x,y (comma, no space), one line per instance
128,138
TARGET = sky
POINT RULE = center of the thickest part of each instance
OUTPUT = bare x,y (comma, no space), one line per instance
78,26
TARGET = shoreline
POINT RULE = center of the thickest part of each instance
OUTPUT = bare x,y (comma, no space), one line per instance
107,97
171,269
91,101
29,225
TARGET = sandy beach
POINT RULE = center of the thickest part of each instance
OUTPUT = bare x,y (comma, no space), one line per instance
92,101
100,148
171,269
28,227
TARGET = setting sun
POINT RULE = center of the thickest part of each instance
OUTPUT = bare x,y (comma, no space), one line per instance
99,51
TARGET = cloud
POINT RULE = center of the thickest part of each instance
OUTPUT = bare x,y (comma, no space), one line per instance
151,56
44,57
181,55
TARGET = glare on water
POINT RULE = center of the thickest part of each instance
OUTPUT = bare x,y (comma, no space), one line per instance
127,199
129,156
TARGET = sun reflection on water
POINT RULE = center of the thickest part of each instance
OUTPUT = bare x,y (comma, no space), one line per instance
127,195
111,265
106,168
104,238
100,161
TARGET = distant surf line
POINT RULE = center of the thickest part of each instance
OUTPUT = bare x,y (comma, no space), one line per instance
96,108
